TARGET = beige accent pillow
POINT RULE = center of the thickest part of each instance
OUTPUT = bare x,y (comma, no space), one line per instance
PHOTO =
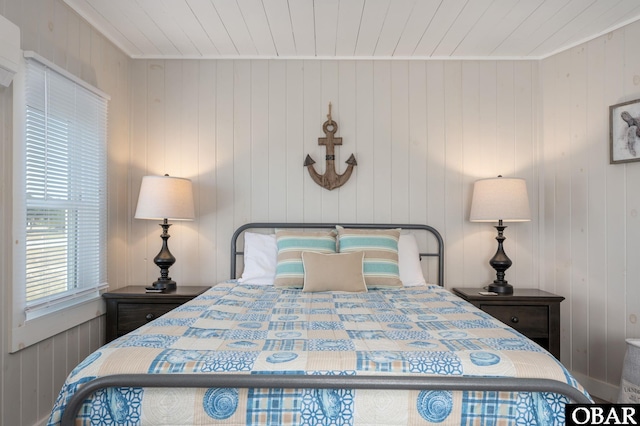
333,272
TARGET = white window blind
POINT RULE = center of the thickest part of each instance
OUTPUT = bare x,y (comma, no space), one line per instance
65,191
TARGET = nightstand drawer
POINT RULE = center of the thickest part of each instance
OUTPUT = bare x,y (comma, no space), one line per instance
131,307
134,315
532,321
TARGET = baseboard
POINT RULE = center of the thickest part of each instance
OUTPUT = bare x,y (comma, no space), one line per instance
42,422
597,388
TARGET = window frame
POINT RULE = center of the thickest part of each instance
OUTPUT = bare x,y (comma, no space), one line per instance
76,310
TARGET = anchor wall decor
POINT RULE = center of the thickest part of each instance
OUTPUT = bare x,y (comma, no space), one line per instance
330,179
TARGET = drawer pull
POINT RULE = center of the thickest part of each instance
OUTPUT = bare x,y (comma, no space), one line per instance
514,319
149,317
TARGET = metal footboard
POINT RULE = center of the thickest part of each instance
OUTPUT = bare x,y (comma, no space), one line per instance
286,381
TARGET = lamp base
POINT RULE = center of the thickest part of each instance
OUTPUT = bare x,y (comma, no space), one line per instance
501,288
164,260
500,262
165,285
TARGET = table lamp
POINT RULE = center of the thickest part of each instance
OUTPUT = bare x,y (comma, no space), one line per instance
163,198
503,200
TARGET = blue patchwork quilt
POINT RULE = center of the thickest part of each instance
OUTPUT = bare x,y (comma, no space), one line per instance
262,330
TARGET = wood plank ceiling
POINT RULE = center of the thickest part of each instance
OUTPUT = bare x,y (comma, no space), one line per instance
402,29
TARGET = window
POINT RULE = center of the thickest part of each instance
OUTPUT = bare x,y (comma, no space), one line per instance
61,197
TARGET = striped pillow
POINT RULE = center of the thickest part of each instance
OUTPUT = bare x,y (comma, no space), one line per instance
380,248
291,244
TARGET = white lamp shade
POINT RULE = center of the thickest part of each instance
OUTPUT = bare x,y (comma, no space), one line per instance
500,198
165,197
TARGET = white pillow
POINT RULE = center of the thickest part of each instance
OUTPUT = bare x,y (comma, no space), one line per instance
260,259
409,261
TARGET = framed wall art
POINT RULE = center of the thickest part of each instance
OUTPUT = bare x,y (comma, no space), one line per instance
624,132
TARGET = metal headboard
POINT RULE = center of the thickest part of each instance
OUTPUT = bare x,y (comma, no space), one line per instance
439,253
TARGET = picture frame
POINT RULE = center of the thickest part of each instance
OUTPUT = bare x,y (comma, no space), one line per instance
624,132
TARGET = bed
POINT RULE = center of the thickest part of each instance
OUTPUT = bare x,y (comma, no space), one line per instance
251,352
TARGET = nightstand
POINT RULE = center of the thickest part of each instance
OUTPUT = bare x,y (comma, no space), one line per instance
131,307
534,313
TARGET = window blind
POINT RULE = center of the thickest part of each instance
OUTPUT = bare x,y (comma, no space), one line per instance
65,190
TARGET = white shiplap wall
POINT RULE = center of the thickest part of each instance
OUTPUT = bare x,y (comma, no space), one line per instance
421,132
31,378
589,213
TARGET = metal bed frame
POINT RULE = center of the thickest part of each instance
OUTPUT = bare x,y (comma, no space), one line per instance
431,231
500,384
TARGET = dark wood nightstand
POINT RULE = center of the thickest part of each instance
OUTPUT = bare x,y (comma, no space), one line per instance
131,307
534,313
